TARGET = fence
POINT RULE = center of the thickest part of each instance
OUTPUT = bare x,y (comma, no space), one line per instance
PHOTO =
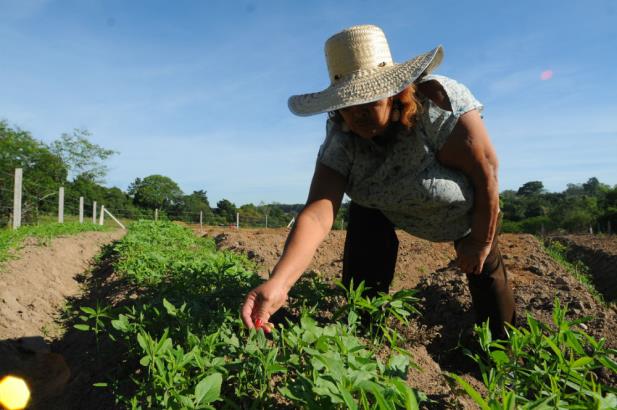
28,205
32,200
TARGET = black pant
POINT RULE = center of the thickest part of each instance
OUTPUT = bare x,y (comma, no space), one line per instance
371,248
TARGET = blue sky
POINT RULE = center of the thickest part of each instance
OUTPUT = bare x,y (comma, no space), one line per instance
197,90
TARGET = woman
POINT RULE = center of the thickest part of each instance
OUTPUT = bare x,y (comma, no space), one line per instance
411,151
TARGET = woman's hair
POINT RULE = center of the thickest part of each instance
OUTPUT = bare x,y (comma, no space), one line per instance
410,106
406,102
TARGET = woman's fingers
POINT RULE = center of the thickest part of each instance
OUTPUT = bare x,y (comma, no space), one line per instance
468,266
247,309
255,311
261,303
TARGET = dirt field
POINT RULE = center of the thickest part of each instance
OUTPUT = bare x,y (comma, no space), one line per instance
34,287
599,253
446,306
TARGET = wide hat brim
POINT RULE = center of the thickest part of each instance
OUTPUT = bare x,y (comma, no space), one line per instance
361,89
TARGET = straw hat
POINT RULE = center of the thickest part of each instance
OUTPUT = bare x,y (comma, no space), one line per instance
362,71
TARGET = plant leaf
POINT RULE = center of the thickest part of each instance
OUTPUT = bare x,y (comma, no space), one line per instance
209,389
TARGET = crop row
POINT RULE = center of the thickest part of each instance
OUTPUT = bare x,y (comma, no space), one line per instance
180,343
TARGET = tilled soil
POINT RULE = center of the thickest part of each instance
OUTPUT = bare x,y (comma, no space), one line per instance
436,337
34,288
599,254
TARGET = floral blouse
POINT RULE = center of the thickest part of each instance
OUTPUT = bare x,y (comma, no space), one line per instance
403,178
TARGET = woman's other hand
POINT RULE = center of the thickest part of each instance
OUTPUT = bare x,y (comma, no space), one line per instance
262,302
471,254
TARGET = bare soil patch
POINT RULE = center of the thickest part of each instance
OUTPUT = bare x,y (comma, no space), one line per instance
599,254
34,288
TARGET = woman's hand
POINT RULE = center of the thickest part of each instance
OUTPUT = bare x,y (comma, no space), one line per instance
471,254
312,225
262,302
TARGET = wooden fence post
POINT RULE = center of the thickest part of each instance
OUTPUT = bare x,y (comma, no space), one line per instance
17,198
61,205
81,209
102,216
93,212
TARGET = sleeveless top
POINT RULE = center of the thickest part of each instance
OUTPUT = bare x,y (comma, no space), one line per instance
403,178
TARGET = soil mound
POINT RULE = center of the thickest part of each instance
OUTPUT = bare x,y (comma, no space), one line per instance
599,253
33,291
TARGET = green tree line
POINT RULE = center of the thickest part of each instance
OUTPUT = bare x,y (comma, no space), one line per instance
76,163
579,207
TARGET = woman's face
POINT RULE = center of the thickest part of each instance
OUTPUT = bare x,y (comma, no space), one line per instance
370,119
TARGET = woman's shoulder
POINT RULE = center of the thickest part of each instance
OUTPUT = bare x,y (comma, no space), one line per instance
431,87
448,94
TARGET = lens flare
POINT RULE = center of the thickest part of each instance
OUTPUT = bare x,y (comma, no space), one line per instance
546,75
14,393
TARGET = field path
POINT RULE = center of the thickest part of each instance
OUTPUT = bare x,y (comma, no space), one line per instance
34,288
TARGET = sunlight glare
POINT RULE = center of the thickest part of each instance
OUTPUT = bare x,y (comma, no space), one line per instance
14,393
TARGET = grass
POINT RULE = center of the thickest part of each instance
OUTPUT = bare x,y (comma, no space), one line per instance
69,218
11,240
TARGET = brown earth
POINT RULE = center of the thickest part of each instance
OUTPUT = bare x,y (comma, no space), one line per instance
34,288
435,337
32,301
599,254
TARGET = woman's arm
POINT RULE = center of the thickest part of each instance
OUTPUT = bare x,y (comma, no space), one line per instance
311,227
469,149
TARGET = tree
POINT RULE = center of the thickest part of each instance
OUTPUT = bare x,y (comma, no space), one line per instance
43,172
226,209
82,156
512,206
202,196
190,206
155,191
531,188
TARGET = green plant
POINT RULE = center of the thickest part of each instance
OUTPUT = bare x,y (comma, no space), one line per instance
93,319
541,366
378,313
185,346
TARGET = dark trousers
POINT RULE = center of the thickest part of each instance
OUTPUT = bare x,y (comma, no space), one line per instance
371,248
